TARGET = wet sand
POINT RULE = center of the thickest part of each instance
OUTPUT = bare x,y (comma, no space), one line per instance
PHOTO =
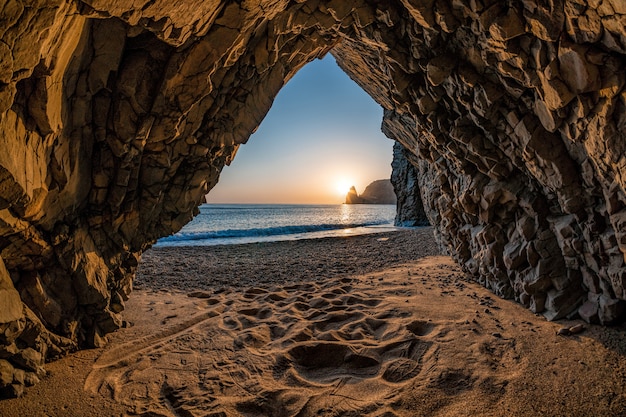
375,325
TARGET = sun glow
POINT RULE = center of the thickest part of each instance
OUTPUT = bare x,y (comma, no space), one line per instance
342,186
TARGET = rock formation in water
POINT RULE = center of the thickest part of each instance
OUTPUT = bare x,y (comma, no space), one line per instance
377,192
116,118
353,196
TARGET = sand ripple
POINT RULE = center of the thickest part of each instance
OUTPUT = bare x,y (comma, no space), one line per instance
414,340
290,350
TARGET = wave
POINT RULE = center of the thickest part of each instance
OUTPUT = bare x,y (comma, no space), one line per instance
269,231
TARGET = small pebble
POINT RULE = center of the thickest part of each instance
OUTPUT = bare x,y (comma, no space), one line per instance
564,331
576,329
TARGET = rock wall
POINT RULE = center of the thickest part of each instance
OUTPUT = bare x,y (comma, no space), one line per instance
405,180
511,118
116,119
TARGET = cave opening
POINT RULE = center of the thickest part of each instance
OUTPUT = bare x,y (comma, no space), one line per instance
322,130
321,136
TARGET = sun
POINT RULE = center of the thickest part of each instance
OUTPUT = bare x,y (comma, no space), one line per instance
342,186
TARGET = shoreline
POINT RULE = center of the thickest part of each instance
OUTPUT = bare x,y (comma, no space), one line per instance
233,224
287,261
171,242
370,325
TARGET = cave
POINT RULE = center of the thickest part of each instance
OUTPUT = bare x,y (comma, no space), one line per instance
115,121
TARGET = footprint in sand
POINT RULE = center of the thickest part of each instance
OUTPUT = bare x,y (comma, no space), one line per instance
400,370
307,349
231,323
335,321
452,381
323,362
342,341
253,338
259,313
420,328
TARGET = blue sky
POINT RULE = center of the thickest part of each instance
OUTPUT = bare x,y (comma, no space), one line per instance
321,136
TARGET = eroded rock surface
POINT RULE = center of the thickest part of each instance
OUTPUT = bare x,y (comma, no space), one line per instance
116,119
405,180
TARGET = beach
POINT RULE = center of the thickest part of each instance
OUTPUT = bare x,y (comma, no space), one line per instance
378,325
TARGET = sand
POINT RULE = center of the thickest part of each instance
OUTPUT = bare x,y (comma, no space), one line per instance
376,325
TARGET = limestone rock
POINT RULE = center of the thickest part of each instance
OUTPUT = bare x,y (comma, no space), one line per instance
117,118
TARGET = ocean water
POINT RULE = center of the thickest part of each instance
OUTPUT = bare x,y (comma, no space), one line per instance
226,224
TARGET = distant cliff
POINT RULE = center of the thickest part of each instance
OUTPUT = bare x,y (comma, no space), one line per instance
378,192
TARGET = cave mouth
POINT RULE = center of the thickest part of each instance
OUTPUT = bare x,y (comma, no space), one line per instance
321,131
116,123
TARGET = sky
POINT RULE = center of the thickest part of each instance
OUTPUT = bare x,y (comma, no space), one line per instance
321,136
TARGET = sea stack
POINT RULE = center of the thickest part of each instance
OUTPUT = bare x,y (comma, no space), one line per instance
353,197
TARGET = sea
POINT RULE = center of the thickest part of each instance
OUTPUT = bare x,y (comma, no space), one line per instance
230,224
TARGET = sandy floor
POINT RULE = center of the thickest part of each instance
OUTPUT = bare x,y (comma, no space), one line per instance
334,327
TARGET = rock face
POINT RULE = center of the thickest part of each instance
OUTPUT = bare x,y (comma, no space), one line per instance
353,196
405,179
116,118
377,192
